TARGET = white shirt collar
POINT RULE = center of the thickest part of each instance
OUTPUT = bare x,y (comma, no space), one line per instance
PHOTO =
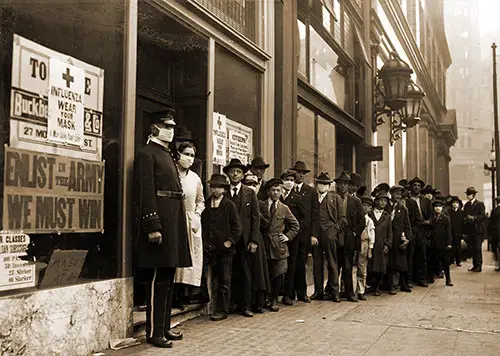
238,187
473,201
299,185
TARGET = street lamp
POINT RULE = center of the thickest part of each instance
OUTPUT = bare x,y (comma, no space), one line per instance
491,170
397,97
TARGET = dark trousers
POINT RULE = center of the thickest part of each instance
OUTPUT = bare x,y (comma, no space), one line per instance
442,257
475,242
276,285
159,295
432,263
242,290
346,258
327,249
457,249
295,279
420,259
222,271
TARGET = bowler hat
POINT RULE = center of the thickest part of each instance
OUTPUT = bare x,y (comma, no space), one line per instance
367,200
235,163
323,178
250,178
164,116
356,179
300,166
471,191
218,180
273,182
288,173
417,180
183,134
343,177
258,162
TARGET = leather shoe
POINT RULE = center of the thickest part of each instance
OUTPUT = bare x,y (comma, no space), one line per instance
377,292
393,291
259,310
218,316
361,297
159,342
449,284
172,335
247,313
423,284
352,298
274,307
405,289
336,298
317,296
410,284
287,301
306,299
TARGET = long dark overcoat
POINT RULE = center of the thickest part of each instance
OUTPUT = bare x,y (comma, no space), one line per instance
156,171
309,226
383,237
400,224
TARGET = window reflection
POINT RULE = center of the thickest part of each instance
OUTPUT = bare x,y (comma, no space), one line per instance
327,73
326,147
302,47
305,139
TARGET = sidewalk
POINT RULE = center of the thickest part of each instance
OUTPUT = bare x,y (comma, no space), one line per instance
439,320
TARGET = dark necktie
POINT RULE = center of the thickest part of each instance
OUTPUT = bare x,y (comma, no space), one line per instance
235,192
273,208
297,190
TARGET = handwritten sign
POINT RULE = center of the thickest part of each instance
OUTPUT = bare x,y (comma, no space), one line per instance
14,272
219,139
64,267
46,193
66,88
240,139
35,70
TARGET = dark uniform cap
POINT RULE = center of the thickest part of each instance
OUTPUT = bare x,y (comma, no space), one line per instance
273,182
163,117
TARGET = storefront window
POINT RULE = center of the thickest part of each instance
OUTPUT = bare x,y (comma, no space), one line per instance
302,47
344,153
326,146
90,33
327,71
306,136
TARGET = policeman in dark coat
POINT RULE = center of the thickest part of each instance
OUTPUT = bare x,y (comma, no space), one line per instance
475,228
162,242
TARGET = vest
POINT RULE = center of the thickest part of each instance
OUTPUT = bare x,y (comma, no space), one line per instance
325,222
237,199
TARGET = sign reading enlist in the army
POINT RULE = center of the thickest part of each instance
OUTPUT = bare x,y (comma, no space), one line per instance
14,272
34,68
46,193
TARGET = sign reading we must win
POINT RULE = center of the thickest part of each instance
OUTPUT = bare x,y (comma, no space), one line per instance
47,193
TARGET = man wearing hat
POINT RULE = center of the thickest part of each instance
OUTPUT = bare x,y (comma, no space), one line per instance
355,184
182,135
350,237
162,243
309,226
332,222
258,167
248,210
279,228
494,223
404,183
457,218
441,232
296,273
367,242
422,237
428,192
474,228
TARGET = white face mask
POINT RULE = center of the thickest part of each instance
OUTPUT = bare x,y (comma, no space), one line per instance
323,188
288,185
186,161
165,134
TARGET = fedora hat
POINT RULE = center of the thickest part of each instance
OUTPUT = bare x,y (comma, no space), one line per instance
183,134
273,182
428,189
235,163
300,166
323,178
288,173
417,180
470,191
343,177
258,162
218,180
356,179
163,117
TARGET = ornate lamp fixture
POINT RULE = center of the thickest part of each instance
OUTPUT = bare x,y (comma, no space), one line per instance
397,97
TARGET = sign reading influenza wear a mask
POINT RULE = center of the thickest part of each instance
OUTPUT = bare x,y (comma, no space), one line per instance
56,102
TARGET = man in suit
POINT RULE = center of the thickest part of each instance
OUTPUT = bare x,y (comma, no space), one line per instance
441,230
248,210
309,227
279,228
457,228
258,167
350,237
332,222
422,238
296,272
162,242
474,227
415,221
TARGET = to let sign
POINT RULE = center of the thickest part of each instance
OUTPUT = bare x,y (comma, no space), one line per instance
45,193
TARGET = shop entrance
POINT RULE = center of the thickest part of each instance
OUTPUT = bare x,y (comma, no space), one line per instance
172,63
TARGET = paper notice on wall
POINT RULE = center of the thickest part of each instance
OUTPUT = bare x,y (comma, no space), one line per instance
239,141
14,272
219,139
66,93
